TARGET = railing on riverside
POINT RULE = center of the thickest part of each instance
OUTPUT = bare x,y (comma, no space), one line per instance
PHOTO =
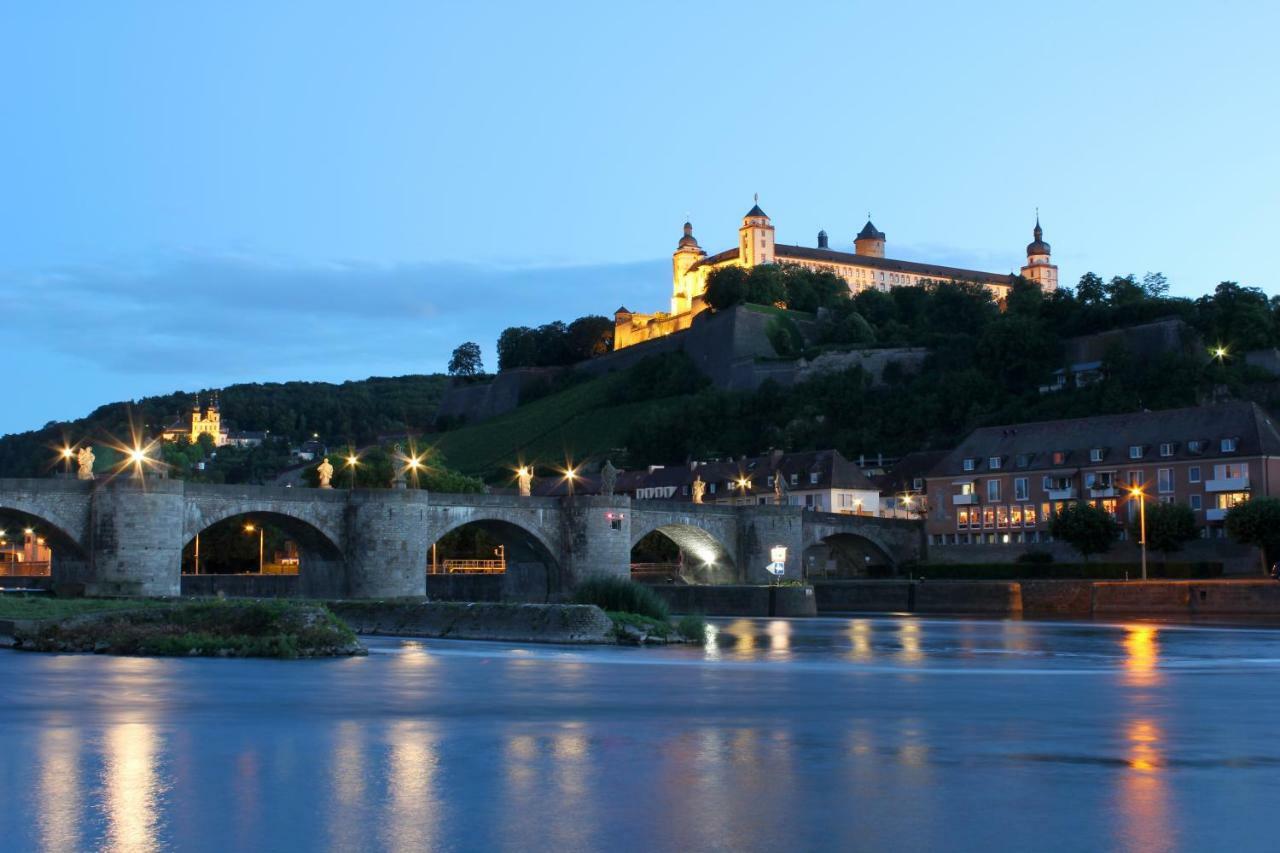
655,572
472,567
25,570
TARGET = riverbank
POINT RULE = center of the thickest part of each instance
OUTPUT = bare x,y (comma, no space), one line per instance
1075,599
177,628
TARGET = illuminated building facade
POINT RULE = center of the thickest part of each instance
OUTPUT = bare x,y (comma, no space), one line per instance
201,420
865,268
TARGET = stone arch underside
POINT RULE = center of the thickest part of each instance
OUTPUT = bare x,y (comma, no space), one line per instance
705,558
70,558
534,571
841,554
322,569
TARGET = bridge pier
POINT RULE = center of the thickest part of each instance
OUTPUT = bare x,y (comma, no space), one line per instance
387,543
135,538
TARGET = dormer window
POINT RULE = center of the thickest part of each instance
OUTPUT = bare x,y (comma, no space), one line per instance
814,477
795,479
1135,451
994,463
970,463
1097,454
918,484
1195,446
1229,445
1022,460
1166,448
1059,457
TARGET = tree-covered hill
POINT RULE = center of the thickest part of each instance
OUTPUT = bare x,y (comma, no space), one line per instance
353,413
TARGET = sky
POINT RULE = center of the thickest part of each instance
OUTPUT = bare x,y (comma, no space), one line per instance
201,194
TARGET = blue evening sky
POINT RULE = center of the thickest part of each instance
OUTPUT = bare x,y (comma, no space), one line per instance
197,194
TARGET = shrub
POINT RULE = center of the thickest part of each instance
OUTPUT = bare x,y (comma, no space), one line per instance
785,336
622,595
692,627
1035,557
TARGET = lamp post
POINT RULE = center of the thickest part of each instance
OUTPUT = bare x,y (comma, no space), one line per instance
138,456
570,475
744,484
352,462
250,528
67,453
1140,495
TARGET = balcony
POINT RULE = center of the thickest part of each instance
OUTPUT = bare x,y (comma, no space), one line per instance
1067,493
965,500
1227,484
1215,514
1103,492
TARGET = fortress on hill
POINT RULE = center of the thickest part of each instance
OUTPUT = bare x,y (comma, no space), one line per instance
865,268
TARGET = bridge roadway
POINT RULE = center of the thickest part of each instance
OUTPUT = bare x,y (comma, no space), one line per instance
126,537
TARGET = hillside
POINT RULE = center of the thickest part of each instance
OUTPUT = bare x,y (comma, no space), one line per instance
353,412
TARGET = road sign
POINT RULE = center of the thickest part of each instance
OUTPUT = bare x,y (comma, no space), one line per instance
778,569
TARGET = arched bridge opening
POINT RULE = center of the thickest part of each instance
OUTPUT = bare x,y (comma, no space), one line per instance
491,559
267,553
32,546
847,555
681,553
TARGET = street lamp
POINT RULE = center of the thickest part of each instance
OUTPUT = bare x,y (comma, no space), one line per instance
250,527
570,474
906,502
743,485
67,453
352,462
1140,495
1220,353
138,456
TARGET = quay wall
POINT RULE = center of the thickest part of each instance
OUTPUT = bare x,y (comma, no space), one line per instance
740,600
539,623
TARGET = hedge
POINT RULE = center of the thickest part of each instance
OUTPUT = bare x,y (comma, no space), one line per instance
1065,571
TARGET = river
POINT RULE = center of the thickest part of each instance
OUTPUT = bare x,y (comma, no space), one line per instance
840,734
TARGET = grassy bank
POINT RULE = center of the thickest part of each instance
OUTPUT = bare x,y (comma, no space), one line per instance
638,614
275,629
47,607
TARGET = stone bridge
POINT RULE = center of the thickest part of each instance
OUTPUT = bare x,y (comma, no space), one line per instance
126,536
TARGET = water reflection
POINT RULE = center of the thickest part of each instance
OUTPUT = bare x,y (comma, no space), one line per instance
1142,655
58,790
1144,794
347,780
413,820
860,637
909,638
132,786
779,633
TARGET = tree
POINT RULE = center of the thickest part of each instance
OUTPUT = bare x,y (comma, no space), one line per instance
517,347
466,360
589,337
1257,522
1169,527
1085,527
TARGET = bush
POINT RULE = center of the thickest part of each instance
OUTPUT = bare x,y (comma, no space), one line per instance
1035,557
622,595
785,336
692,627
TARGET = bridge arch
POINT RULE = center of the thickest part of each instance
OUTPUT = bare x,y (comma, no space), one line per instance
531,571
69,557
703,557
321,562
847,554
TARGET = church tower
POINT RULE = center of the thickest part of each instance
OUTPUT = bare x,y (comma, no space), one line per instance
755,238
870,241
684,284
1038,268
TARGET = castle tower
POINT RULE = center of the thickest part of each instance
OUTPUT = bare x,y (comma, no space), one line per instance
684,285
1038,268
822,240
870,241
755,238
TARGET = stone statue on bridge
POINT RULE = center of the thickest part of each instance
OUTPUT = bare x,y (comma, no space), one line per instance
699,489
779,489
397,479
608,478
325,471
85,459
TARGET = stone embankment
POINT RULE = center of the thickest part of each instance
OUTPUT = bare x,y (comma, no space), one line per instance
740,600
522,623
1082,599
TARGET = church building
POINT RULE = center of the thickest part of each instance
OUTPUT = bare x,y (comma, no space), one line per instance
865,268
201,420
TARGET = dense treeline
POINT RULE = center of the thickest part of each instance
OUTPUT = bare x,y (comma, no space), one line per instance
355,412
555,344
986,367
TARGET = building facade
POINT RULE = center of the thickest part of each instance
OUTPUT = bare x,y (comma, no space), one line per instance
200,420
865,268
1002,485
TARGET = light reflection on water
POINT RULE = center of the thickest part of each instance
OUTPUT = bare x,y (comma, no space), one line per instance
780,734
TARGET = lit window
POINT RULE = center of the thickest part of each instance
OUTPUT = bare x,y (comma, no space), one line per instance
1059,457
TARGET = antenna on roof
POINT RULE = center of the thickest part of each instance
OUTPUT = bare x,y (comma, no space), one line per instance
756,198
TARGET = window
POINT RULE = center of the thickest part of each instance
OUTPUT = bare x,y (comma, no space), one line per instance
994,463
1231,471
795,479
1020,490
1022,460
1193,474
970,464
988,517
1029,515
1015,515
771,481
1059,457
1097,454
993,491
813,478
962,517
615,524
1135,451
918,484
1137,478
1166,449
1196,446
1229,445
1164,480
966,488
1002,516
1195,503
712,487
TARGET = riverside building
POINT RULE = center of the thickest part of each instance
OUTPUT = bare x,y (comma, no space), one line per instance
1002,484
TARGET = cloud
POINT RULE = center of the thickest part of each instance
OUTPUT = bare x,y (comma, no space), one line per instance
200,317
